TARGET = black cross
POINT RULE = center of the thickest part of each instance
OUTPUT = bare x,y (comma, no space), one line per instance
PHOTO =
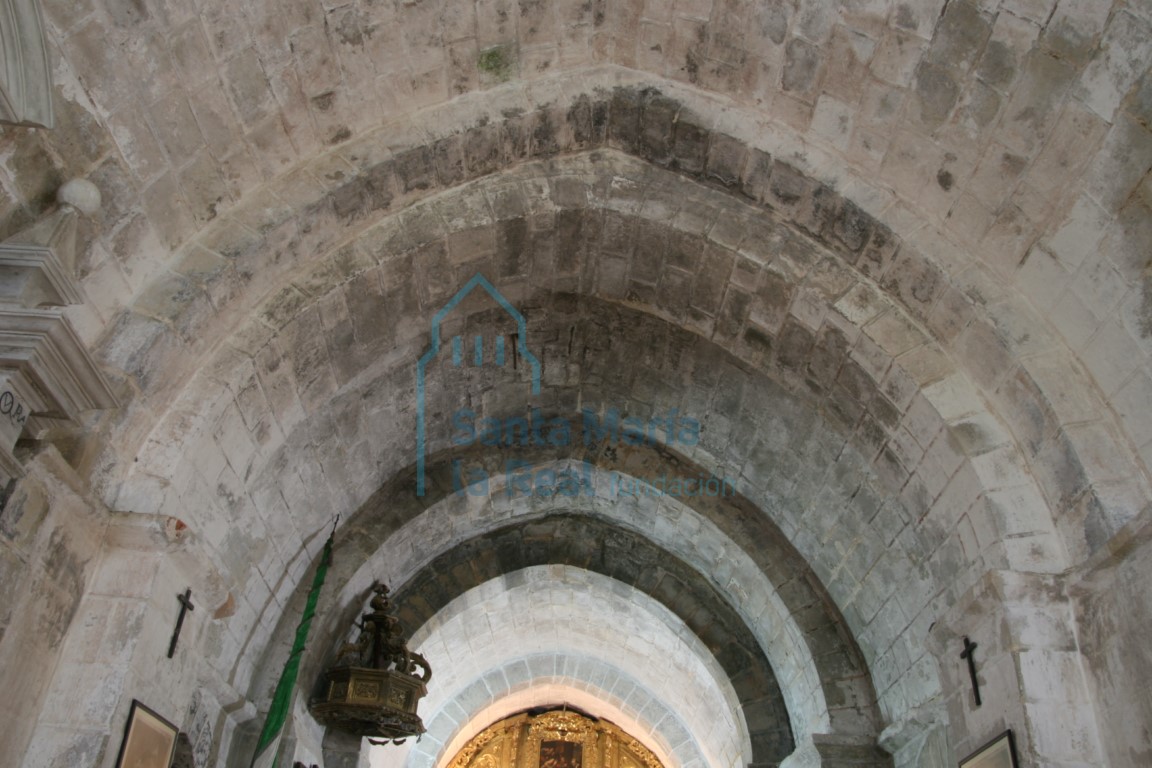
185,606
969,653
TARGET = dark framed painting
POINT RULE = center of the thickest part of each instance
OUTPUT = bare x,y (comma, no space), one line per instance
561,754
149,740
998,753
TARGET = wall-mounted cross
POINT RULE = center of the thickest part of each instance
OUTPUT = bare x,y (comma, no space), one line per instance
185,606
969,653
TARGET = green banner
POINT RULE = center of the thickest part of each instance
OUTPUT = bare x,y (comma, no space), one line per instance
265,756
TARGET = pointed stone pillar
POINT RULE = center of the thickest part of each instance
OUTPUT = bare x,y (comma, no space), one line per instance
46,373
1029,669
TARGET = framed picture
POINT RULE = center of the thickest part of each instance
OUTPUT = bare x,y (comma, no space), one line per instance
998,753
561,754
149,740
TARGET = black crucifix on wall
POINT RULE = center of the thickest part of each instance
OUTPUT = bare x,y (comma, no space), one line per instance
969,653
185,606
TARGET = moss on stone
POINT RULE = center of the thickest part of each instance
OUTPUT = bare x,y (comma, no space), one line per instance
497,62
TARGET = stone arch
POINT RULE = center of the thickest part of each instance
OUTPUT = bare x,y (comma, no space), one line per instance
668,739
629,558
906,112
389,511
628,685
983,344
968,475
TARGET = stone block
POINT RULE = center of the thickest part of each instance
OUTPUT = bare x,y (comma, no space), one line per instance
1130,405
996,174
894,333
448,160
814,20
985,354
248,84
172,119
802,63
1029,111
1136,314
1121,164
1073,29
789,190
1138,102
1121,59
832,120
589,122
1007,241
1074,140
203,187
936,92
726,159
1042,278
861,304
1100,286
849,55
655,38
897,57
1100,453
757,175
1079,234
960,36
1062,739
914,281
1075,322
1012,37
624,112
67,745
655,140
773,299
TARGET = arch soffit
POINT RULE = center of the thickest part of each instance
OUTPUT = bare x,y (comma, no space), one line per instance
381,524
654,576
502,662
1031,497
1012,359
659,731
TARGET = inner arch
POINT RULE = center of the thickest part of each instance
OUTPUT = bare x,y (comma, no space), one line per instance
483,641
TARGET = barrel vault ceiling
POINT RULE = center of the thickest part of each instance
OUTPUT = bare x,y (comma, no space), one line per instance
892,256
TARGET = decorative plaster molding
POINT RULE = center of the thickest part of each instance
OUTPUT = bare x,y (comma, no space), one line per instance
25,72
47,374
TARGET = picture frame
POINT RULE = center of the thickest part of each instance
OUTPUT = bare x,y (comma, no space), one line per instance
149,739
1000,752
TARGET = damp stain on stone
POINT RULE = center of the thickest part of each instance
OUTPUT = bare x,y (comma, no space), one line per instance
324,101
351,30
1144,320
998,66
1012,164
905,19
692,67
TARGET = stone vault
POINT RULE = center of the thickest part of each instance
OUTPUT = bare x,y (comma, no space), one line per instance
892,256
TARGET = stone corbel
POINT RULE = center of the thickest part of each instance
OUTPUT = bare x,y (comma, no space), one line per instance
47,375
183,550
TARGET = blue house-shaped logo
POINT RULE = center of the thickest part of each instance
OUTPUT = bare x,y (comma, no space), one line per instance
478,357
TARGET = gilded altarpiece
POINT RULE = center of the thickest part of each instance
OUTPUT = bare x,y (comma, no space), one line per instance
555,739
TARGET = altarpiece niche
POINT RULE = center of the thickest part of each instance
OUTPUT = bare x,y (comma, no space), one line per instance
554,739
